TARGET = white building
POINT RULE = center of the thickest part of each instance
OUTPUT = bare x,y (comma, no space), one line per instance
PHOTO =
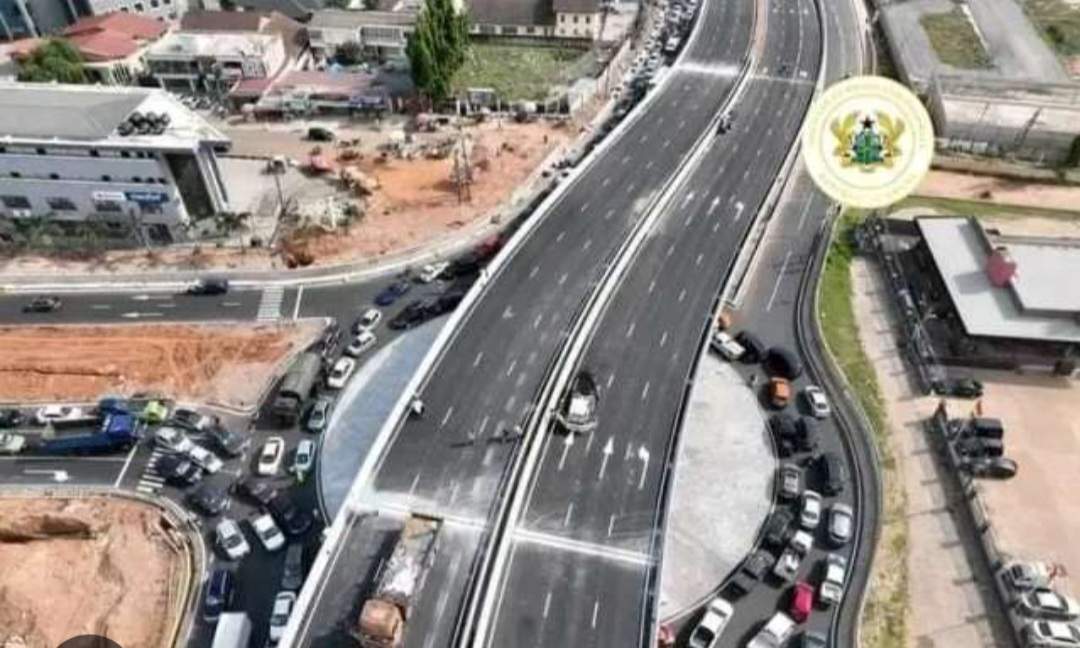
190,61
577,19
382,34
74,154
160,9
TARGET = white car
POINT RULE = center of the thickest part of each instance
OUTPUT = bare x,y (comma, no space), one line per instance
231,539
810,516
1051,634
11,443
802,542
712,624
270,457
841,521
364,341
59,414
788,565
369,320
340,373
817,401
173,440
268,532
304,458
832,585
431,271
279,615
775,633
726,345
1045,603
204,459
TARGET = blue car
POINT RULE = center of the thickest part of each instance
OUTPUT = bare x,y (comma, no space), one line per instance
391,293
219,594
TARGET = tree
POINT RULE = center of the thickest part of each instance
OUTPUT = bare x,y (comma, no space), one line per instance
437,47
349,53
54,60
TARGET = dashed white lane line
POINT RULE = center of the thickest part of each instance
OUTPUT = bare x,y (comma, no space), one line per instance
779,278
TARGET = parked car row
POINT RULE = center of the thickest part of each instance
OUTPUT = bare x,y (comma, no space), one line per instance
1046,618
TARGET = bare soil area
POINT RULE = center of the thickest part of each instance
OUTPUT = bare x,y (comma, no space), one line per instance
951,599
998,190
413,204
222,364
104,566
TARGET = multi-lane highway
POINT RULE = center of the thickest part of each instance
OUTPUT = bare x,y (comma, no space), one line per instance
589,532
490,372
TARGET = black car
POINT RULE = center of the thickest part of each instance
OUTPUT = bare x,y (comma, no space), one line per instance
783,362
292,520
178,470
412,315
209,287
754,347
209,499
753,569
43,305
832,472
959,387
292,576
320,134
785,430
776,529
191,420
448,301
992,467
808,434
260,492
464,266
220,590
976,447
228,442
11,418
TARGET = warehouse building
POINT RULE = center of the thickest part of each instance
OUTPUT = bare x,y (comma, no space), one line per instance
129,159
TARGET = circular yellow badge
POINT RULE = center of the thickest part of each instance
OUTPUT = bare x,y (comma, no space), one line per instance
868,142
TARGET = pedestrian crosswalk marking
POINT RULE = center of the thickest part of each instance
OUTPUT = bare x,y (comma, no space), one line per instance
270,304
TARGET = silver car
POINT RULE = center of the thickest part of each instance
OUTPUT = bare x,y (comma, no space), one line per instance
841,521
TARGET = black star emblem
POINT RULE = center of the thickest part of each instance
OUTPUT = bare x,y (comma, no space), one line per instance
868,123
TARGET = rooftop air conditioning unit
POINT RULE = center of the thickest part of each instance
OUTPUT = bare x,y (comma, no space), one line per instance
20,213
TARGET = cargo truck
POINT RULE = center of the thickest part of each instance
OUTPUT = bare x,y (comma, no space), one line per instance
233,631
296,387
398,584
116,433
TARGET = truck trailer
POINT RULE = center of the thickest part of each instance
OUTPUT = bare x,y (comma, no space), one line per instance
233,631
296,387
398,584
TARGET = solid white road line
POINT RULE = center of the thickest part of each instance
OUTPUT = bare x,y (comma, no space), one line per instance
296,306
592,549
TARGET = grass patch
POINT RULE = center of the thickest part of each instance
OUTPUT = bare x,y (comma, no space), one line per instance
954,40
980,208
1058,22
884,622
516,72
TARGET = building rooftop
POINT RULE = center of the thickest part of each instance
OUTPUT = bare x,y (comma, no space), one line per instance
215,44
345,19
1041,266
131,25
961,248
79,113
292,32
511,12
577,6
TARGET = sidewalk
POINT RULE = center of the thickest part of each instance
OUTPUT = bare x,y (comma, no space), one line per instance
723,487
363,408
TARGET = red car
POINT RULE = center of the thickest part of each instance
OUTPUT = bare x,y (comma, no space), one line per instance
802,600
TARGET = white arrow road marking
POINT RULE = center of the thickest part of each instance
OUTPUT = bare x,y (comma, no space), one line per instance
713,205
739,206
643,455
567,442
137,315
609,448
57,475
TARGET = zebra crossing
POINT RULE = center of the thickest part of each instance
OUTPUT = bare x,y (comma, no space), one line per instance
150,481
270,304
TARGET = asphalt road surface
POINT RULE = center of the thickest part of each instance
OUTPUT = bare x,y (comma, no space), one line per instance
587,503
491,371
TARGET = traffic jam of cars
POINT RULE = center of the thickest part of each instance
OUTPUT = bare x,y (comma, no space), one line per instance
803,539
